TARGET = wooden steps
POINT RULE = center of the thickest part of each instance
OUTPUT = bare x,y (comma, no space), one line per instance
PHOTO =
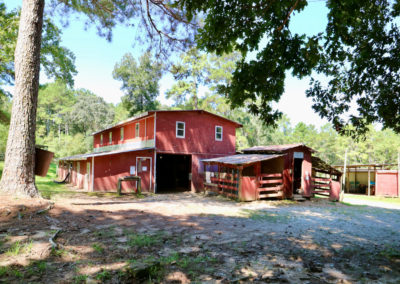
298,197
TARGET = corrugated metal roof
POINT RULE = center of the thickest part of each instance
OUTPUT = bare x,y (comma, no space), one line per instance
89,155
241,159
276,148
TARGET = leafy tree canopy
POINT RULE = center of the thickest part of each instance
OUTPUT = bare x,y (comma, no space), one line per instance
57,61
139,82
358,52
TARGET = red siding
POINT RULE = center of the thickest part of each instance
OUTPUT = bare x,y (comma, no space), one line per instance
146,132
199,134
386,183
288,171
248,190
199,139
107,170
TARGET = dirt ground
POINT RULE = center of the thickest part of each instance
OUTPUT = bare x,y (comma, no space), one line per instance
182,238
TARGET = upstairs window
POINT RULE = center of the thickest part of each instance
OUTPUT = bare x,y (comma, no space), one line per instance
101,139
122,134
218,133
180,129
109,137
137,130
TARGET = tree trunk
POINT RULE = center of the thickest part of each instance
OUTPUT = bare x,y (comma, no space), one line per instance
19,168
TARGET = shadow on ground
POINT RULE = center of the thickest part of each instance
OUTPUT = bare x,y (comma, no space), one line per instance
182,237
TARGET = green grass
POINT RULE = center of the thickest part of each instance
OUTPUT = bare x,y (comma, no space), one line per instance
47,187
19,248
390,200
261,215
98,248
143,240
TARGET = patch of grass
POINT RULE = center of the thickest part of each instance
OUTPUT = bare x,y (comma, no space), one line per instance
59,252
48,188
389,200
143,240
104,275
98,248
80,279
4,271
18,248
262,215
36,268
106,233
390,252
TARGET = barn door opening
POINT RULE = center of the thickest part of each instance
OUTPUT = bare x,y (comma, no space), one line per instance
173,173
297,171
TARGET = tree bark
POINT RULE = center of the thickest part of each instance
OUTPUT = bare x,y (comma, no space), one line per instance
19,169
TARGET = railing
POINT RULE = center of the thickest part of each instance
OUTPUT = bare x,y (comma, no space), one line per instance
270,185
224,183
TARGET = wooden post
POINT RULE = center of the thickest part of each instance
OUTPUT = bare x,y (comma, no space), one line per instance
398,173
369,182
344,177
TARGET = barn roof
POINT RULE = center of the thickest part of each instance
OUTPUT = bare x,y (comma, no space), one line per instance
319,164
150,112
241,159
83,157
276,148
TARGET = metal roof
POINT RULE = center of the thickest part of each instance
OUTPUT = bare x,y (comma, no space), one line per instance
241,159
150,112
276,148
89,155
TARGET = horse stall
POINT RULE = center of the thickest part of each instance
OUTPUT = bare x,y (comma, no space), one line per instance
245,177
326,180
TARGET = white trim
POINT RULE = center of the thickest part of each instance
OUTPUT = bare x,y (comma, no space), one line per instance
138,129
222,133
176,129
137,169
92,174
128,145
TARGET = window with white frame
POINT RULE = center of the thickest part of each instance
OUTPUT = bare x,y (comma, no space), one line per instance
218,133
137,127
101,139
109,137
180,129
122,134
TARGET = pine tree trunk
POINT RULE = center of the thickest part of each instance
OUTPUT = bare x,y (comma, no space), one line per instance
19,168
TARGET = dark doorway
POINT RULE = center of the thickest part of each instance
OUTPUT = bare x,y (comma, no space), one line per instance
172,173
297,175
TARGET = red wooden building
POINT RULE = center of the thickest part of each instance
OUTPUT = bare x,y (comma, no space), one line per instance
164,148
274,171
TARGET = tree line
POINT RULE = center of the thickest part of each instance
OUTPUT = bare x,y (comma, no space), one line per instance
357,51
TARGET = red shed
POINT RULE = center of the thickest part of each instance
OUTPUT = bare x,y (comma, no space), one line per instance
164,148
246,177
297,166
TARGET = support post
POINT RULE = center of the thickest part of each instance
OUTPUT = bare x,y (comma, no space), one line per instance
344,177
369,182
398,173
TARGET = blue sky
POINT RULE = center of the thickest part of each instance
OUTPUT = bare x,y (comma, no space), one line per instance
96,57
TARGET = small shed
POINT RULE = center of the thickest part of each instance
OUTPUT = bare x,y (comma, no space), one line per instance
246,177
297,166
372,179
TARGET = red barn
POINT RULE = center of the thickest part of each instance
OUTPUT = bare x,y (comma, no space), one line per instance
164,148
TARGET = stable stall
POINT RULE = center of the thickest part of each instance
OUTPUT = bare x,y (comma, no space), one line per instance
246,177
